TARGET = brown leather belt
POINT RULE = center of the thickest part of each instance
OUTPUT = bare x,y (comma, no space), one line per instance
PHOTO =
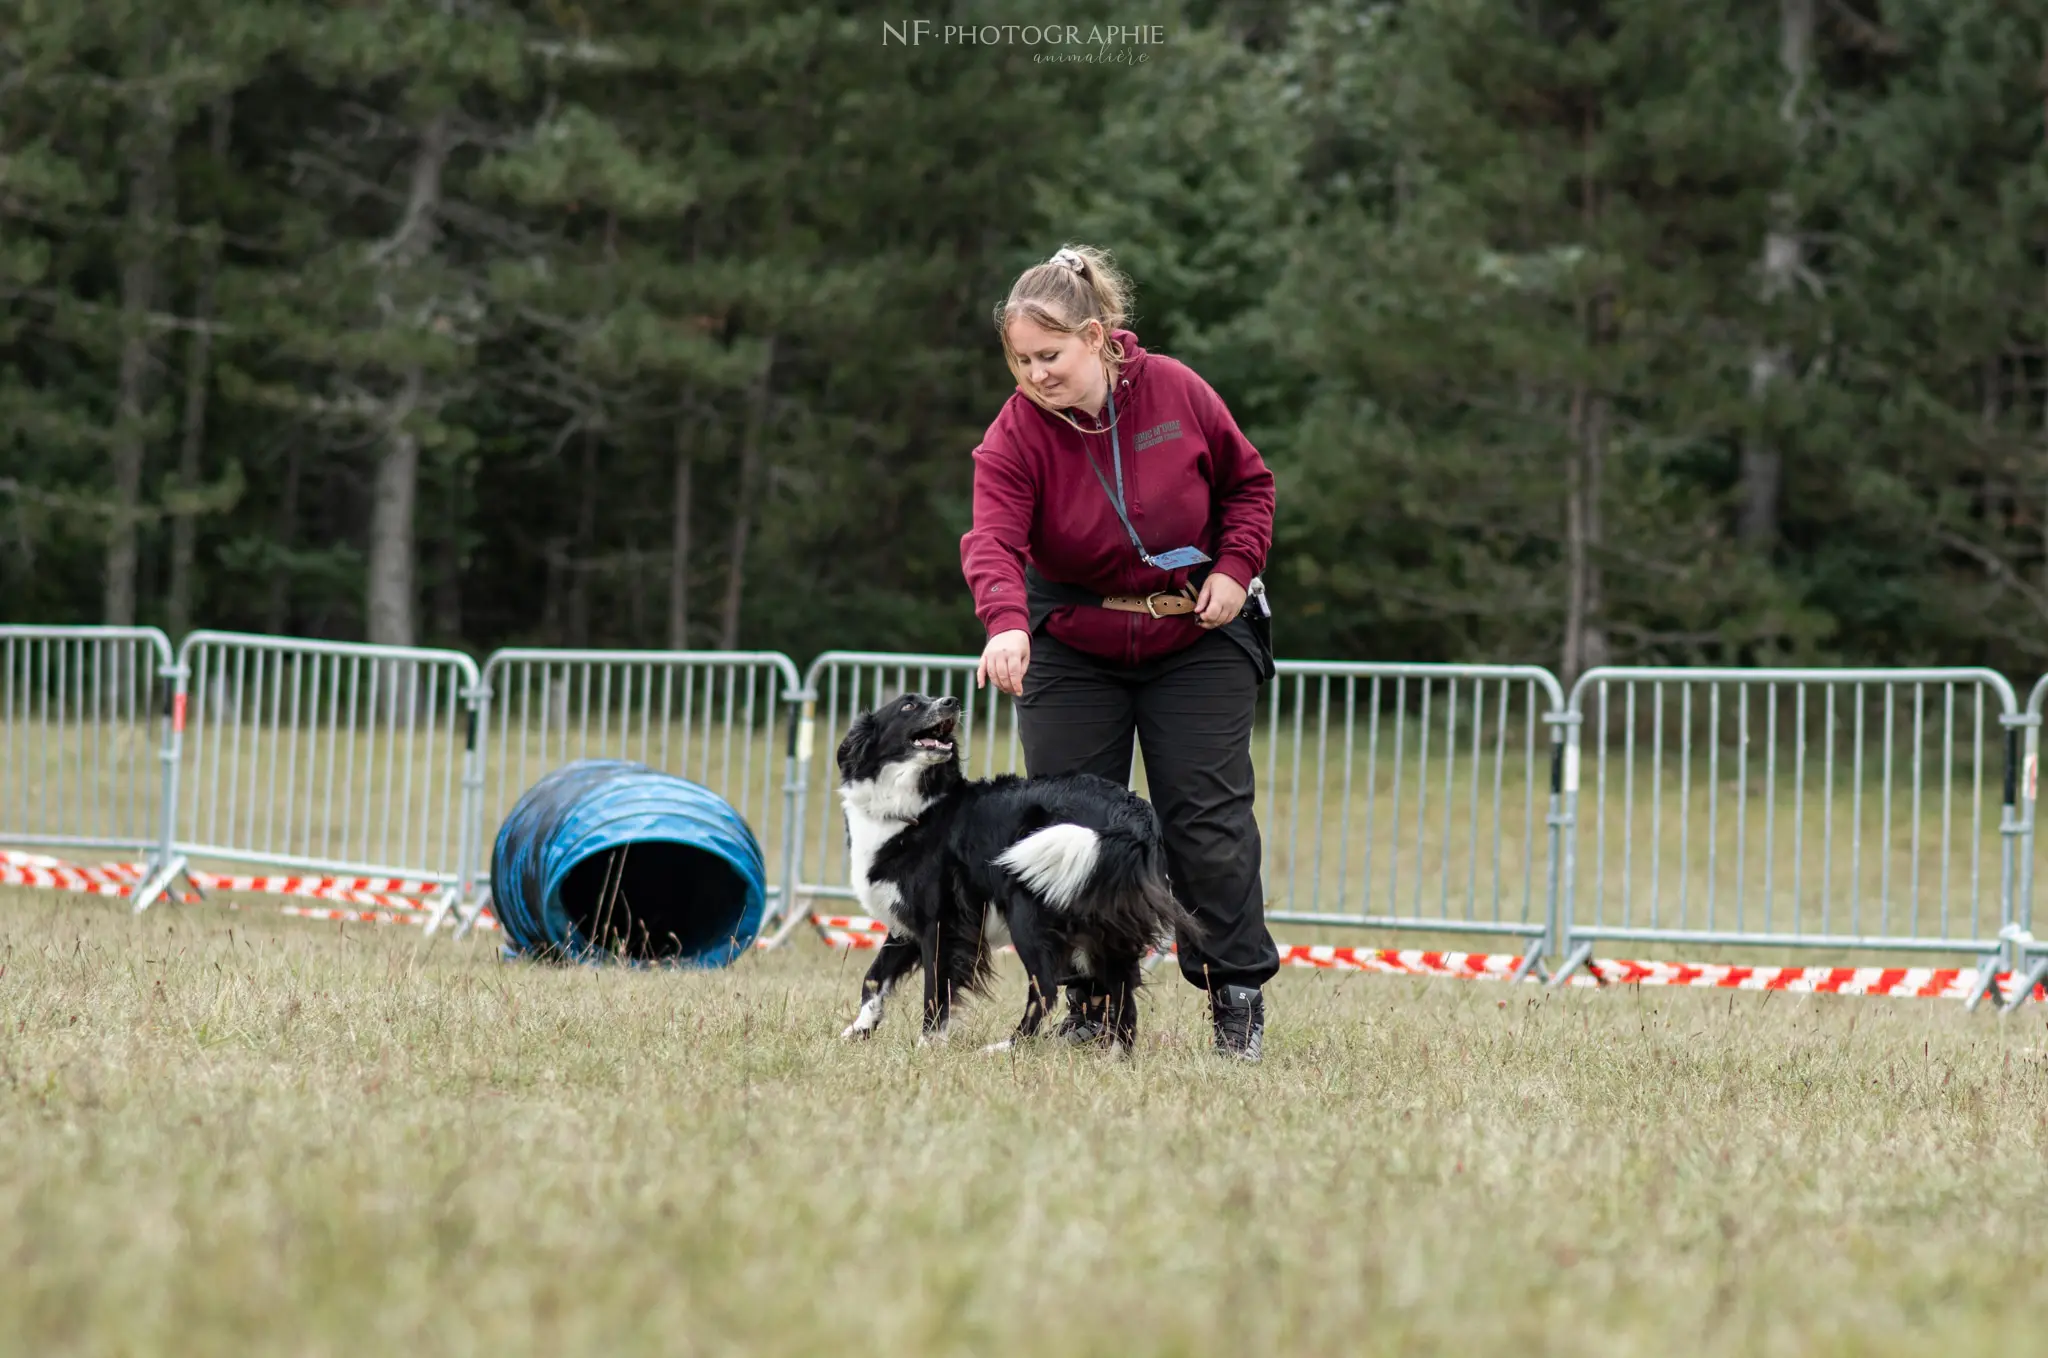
1161,605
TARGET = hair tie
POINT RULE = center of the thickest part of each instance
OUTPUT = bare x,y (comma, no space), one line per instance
1070,259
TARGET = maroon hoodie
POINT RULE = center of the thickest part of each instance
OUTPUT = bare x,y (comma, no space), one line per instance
1191,478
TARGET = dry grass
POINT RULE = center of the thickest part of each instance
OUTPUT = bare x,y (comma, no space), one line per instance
234,1133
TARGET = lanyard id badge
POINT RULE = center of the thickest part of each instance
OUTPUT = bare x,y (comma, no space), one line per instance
1165,561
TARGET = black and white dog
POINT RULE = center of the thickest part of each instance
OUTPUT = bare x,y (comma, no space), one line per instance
1071,868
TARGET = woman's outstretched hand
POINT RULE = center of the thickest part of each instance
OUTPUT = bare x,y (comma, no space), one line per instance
1222,599
1004,659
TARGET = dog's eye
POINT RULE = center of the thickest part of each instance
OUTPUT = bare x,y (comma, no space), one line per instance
908,706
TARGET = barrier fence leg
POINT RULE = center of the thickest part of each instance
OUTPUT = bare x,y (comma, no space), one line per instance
2012,828
2018,933
1987,983
167,866
470,839
790,906
1532,960
455,898
1564,844
797,786
2023,989
1576,958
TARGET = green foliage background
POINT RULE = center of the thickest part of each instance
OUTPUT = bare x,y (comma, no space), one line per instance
1483,278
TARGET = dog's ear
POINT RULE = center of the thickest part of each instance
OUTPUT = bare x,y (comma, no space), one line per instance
859,742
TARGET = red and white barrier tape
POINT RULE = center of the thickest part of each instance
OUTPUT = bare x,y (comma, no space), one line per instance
386,906
1950,983
382,895
63,881
1956,983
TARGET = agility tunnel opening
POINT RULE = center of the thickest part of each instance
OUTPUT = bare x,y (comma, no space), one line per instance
655,901
608,859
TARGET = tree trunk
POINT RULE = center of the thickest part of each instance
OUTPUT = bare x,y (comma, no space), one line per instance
679,541
1593,648
1576,555
390,602
552,552
1763,463
750,475
278,610
586,543
138,298
198,370
448,578
393,548
1585,640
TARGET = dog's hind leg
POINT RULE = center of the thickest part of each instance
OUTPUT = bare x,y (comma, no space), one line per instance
1124,975
898,955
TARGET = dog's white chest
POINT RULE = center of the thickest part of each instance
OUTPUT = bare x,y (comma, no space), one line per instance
866,836
878,810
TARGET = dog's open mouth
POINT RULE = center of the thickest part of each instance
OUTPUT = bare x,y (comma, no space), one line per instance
938,736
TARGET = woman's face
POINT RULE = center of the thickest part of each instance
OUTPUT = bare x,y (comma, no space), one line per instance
1064,370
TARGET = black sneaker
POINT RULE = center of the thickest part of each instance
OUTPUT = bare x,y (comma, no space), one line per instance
1084,1022
1239,1013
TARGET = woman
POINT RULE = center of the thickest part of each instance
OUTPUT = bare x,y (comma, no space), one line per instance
1120,524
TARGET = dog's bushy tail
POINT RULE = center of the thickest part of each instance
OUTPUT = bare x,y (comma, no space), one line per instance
1132,891
1109,872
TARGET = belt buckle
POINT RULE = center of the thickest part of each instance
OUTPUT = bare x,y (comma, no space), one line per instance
1153,608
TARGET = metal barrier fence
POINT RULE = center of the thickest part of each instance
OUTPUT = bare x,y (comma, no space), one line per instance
717,717
328,756
1395,805
1841,809
87,741
1413,797
1886,810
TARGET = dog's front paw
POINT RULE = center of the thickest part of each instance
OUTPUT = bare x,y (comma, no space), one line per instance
866,1021
1005,1045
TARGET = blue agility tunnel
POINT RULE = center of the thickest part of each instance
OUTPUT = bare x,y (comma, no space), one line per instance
605,858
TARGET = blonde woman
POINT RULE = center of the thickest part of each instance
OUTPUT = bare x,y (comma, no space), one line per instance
1121,520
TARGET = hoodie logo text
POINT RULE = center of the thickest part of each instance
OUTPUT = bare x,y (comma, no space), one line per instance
1158,434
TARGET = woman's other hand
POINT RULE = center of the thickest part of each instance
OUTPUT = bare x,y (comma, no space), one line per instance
1222,599
1006,657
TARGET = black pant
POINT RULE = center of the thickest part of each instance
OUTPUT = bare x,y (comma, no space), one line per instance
1192,712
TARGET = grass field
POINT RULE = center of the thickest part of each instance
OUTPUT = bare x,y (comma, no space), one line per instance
229,1132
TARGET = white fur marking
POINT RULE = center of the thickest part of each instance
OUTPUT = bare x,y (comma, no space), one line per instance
869,1018
1056,862
1002,1046
896,793
877,810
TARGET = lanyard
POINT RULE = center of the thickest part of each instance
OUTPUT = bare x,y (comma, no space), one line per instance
1170,561
1116,497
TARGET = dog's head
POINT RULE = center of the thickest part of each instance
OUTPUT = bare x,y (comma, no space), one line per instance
902,756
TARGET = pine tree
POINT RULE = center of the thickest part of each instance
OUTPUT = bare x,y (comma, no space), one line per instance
375,323
100,97
1925,519
1518,298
